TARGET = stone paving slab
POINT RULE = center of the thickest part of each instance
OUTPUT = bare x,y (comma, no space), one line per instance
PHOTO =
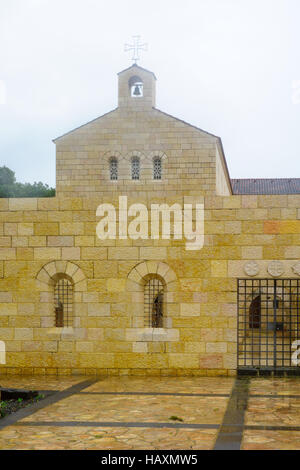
81,407
271,440
39,382
197,385
133,413
78,438
273,412
274,386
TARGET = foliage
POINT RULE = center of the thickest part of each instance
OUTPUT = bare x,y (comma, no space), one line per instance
10,406
175,418
7,176
9,187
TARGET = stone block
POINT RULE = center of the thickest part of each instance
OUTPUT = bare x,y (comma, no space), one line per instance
7,253
123,253
216,347
184,361
211,361
230,361
10,228
93,253
84,346
23,334
219,268
142,269
290,226
37,241
95,334
70,253
6,334
71,228
48,204
57,241
98,310
292,252
116,285
140,347
189,310
85,240
5,241
23,204
5,297
47,253
8,309
155,253
252,252
46,228
96,360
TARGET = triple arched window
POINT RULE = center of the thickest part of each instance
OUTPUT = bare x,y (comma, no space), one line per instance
135,168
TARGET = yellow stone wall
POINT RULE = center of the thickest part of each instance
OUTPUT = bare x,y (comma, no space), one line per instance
42,237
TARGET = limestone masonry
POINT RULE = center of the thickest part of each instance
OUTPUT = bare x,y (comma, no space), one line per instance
71,303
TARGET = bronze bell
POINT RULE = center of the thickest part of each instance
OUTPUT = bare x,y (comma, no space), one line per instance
137,91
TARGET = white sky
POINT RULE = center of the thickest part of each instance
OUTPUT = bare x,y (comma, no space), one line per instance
227,66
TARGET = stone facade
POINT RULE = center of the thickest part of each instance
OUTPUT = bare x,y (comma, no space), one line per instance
42,239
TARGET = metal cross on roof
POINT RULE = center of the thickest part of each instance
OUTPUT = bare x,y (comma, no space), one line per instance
136,47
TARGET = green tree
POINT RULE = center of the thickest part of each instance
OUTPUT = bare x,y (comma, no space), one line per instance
9,187
7,176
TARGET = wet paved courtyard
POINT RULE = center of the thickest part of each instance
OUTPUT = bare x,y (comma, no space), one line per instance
155,413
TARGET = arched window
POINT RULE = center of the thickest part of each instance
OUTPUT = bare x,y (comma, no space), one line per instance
154,302
157,168
113,169
255,312
135,168
63,302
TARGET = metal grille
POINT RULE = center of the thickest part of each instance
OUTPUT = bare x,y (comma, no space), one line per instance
153,301
113,169
135,168
157,167
268,323
63,301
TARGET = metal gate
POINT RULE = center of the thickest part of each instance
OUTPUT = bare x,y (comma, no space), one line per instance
268,324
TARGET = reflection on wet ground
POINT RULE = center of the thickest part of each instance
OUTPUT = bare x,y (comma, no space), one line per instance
156,413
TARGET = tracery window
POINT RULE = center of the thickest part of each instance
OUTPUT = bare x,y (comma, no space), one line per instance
157,168
135,168
113,168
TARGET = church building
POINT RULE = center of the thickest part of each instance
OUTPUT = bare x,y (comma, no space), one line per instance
73,302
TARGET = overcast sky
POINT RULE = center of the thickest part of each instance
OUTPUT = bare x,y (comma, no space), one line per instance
227,66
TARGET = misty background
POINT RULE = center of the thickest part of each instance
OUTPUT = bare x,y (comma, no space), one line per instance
230,67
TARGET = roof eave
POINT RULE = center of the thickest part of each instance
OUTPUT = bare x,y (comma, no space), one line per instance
219,140
85,124
138,67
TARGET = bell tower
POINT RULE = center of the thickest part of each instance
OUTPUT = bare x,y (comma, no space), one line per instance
136,88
